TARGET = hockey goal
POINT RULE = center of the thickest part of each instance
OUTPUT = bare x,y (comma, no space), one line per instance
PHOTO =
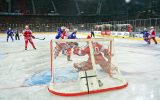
84,66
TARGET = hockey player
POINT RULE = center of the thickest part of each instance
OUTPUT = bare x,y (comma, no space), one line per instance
28,35
64,35
60,36
59,33
69,47
89,37
17,35
66,46
152,35
98,55
10,34
73,35
145,35
67,33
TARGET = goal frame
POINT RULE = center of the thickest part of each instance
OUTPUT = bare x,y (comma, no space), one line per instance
52,91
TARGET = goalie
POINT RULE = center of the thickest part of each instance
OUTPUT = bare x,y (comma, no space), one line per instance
98,55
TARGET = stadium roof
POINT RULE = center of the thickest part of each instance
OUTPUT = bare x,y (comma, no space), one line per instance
121,8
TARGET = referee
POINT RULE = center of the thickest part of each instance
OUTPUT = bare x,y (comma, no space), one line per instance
92,33
17,35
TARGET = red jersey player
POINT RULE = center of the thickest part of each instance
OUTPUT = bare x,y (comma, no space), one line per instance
27,33
88,37
152,35
99,59
63,35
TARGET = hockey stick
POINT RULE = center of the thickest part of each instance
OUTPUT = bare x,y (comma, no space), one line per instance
40,38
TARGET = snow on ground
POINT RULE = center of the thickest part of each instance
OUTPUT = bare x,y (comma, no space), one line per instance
138,62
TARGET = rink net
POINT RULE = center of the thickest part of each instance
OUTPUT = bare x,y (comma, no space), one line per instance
83,66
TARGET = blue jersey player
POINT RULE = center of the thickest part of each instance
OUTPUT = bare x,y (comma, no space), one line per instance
10,34
58,36
73,35
59,33
145,35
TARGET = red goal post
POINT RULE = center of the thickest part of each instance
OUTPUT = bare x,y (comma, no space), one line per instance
115,82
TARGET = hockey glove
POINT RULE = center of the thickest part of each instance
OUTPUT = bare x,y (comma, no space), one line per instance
33,37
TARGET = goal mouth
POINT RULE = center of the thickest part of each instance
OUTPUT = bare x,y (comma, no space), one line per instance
85,66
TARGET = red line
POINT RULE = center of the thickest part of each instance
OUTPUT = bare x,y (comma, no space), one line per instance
90,92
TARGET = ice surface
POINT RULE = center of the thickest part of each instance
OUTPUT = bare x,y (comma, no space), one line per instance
138,62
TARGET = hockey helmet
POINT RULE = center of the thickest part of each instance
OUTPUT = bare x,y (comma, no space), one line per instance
152,27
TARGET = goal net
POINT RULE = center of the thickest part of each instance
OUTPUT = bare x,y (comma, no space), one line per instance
83,66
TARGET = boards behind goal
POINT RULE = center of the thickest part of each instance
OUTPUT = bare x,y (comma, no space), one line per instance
83,66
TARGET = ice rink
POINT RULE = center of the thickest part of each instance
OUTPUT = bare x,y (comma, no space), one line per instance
138,62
